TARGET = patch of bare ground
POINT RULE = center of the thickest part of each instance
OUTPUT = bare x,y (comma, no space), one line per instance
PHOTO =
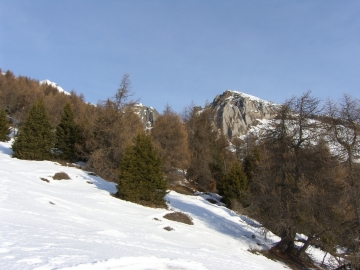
183,186
179,217
288,258
61,176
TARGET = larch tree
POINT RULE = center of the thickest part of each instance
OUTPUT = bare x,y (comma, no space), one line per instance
141,178
170,137
202,138
107,133
284,162
36,137
344,122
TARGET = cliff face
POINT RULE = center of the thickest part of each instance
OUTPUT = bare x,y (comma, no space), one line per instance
148,115
235,112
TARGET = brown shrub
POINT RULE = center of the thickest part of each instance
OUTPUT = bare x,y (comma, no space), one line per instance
179,217
61,176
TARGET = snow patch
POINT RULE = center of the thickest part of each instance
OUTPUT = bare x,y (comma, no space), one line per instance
55,85
250,97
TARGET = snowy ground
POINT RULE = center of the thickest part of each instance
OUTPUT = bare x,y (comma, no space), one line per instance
73,224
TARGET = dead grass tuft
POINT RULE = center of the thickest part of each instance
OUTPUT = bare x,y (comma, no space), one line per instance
61,176
179,217
44,179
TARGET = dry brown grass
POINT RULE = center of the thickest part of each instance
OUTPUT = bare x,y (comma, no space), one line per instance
61,176
182,189
179,217
44,179
288,258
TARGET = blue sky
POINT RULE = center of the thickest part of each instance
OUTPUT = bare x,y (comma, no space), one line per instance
183,51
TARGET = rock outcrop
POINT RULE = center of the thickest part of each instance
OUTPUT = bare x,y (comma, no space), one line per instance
148,115
235,112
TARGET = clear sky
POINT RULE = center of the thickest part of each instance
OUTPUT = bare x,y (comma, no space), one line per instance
183,51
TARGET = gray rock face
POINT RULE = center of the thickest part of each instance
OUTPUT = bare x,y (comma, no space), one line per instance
235,112
148,115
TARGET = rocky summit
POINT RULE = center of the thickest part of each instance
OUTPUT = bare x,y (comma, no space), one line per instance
148,115
236,112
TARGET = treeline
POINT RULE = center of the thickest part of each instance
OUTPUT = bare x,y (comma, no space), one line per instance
17,94
300,175
304,176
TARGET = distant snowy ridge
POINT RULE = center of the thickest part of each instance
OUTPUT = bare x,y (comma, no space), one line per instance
55,85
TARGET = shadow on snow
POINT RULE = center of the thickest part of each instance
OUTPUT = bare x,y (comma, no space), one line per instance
240,228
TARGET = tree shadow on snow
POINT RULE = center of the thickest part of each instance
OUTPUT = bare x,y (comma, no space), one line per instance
100,183
5,150
242,228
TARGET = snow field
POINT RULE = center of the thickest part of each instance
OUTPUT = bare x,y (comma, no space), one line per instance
76,224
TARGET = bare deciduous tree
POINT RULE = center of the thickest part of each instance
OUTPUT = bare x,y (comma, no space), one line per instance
344,120
170,137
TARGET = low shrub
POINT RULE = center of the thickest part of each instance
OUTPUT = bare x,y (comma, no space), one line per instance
61,176
179,217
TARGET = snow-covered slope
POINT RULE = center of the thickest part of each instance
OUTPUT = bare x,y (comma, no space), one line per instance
76,224
55,85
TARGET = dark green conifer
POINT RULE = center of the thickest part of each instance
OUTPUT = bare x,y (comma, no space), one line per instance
4,126
233,183
36,138
141,179
251,162
66,134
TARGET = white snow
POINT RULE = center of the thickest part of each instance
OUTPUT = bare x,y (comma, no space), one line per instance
250,97
54,85
76,224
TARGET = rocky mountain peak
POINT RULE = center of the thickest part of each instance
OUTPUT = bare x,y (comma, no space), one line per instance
236,112
148,115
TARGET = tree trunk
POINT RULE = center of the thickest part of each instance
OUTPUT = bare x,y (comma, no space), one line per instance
286,243
304,247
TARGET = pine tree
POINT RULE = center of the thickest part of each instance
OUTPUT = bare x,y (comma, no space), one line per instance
4,126
66,134
233,183
36,138
141,179
251,162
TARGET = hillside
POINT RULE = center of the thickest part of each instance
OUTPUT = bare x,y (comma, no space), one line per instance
77,224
